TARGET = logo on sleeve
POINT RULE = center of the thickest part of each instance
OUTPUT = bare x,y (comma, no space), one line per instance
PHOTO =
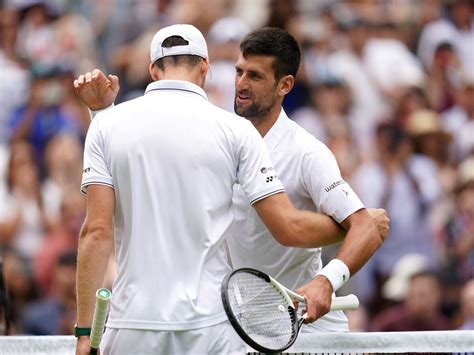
271,178
86,170
334,185
265,170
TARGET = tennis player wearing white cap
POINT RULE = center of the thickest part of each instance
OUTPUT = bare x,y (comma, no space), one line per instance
159,174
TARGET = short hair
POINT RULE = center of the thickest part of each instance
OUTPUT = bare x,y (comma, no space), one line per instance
277,43
184,59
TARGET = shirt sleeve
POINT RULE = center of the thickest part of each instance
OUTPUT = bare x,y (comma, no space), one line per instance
256,174
331,194
96,170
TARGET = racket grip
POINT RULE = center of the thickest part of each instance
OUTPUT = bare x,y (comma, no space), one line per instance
349,302
100,314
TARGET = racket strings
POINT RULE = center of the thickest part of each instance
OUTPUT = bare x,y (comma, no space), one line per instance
261,310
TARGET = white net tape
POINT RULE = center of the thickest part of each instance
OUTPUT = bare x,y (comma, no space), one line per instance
324,343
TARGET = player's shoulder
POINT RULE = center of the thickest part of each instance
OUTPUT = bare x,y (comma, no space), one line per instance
110,116
307,143
115,109
230,119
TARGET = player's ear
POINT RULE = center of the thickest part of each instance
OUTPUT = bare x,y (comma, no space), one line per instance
204,67
153,70
286,84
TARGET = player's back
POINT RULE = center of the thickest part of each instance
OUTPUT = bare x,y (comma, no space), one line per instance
173,158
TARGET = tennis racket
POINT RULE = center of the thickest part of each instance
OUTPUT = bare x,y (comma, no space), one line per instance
262,312
102,299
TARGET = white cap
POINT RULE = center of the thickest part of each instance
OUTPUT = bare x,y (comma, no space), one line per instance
196,46
396,287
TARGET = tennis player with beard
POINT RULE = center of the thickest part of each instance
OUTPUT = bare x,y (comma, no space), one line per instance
265,72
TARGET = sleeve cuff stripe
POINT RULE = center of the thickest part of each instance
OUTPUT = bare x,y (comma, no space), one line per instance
266,195
83,186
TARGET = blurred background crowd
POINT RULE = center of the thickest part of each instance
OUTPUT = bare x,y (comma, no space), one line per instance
388,85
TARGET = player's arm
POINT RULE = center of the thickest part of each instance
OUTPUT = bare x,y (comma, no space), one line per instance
297,228
95,246
360,243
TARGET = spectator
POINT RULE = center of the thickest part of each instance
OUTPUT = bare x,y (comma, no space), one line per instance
467,306
406,186
456,244
36,35
443,73
20,285
330,119
459,119
411,100
431,141
420,310
60,240
63,161
456,28
224,37
23,220
55,314
44,115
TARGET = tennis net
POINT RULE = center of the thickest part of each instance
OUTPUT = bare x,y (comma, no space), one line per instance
446,342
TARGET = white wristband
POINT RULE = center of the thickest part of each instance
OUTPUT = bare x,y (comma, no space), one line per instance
336,272
94,113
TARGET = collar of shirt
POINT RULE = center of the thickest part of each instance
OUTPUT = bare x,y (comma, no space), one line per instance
177,85
277,132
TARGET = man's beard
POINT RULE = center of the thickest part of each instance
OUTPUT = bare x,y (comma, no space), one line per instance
254,113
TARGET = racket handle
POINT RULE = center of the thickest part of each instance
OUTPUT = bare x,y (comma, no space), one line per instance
349,302
100,314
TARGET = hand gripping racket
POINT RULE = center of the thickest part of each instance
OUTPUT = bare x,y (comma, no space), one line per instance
262,312
102,299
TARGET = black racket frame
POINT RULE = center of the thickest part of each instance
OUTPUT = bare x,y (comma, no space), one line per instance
296,324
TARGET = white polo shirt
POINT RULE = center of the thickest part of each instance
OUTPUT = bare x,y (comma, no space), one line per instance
172,158
312,179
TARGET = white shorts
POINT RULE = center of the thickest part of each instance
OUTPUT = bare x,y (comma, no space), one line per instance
217,339
335,321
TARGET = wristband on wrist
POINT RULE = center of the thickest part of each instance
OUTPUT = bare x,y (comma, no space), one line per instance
81,331
336,272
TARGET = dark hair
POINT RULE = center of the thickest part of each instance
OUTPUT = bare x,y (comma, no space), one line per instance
68,258
394,134
277,43
189,60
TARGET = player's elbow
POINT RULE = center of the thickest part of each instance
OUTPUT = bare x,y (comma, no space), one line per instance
95,231
373,234
290,232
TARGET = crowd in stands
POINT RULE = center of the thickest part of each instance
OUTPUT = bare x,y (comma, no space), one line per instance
387,85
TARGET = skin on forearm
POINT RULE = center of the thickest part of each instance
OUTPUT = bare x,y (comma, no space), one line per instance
307,225
95,246
296,228
361,241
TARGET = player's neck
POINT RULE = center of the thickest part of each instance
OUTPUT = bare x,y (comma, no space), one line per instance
264,123
183,75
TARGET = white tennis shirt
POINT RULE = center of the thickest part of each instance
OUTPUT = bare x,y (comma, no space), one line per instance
172,158
313,182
